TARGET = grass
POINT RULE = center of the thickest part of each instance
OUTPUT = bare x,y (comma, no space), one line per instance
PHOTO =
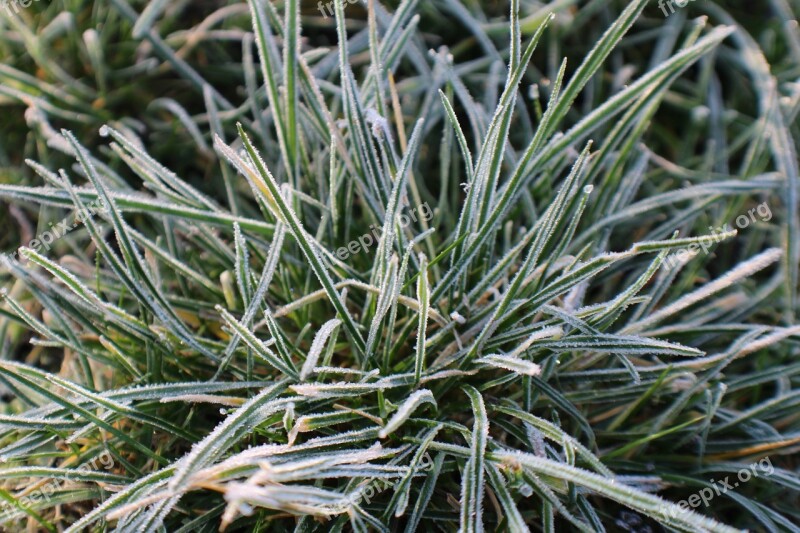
533,350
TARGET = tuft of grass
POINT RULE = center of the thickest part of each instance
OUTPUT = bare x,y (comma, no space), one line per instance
421,266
